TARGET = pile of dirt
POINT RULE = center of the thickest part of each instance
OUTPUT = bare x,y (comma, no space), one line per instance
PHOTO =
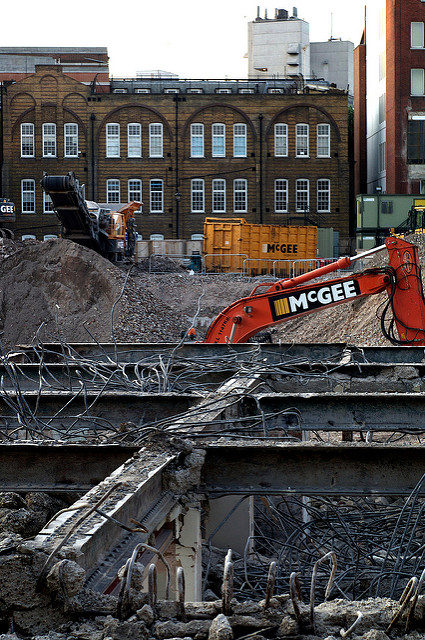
58,288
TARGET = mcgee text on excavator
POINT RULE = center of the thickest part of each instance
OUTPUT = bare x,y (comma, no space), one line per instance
286,299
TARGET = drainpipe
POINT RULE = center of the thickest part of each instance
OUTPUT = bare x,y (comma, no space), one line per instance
177,194
93,159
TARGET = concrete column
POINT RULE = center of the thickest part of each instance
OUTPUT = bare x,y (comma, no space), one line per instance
189,552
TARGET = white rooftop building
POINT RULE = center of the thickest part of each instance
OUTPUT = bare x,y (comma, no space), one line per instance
279,47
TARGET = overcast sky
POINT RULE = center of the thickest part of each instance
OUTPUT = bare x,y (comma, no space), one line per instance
194,38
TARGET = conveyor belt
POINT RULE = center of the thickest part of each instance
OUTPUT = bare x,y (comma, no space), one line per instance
71,209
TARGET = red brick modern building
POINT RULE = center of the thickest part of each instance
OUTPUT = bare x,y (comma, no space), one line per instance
390,63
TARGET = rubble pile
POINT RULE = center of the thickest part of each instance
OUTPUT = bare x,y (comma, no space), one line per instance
60,290
63,609
159,264
26,515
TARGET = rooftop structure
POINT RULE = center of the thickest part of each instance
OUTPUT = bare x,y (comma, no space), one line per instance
85,64
280,47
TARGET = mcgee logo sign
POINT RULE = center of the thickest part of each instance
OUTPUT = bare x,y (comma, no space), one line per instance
289,305
276,247
7,210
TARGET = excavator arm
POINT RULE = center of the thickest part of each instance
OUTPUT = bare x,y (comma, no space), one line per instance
287,299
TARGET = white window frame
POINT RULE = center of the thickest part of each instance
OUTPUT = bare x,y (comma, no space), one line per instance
156,203
302,147
240,185
281,140
197,195
414,36
132,190
218,150
113,186
197,143
47,204
49,139
419,73
27,137
218,195
323,140
239,138
281,195
28,204
299,191
156,140
113,147
70,145
321,190
134,140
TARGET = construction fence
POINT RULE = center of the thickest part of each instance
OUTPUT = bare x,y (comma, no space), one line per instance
233,264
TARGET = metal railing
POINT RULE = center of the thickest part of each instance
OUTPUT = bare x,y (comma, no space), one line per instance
236,264
257,267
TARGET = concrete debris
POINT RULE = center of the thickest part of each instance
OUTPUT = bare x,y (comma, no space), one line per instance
146,615
287,627
375,634
25,516
11,500
197,629
137,577
135,630
66,577
220,629
187,476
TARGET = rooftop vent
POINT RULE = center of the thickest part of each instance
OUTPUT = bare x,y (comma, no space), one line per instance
281,14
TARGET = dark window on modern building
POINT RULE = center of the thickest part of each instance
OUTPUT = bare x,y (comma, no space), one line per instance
416,142
386,206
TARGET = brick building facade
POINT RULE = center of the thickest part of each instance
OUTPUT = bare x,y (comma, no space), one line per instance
188,149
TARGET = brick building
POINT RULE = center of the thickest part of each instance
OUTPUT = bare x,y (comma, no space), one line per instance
390,65
266,151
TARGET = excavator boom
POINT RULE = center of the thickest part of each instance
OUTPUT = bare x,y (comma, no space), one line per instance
287,299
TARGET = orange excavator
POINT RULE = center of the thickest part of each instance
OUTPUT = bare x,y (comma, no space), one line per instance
287,299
